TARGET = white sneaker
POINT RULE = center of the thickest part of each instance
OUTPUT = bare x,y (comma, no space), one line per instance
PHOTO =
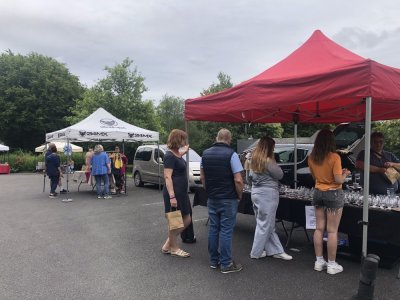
263,254
283,256
334,268
320,265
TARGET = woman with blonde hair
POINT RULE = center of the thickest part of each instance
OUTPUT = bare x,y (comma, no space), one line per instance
265,175
175,189
328,200
101,167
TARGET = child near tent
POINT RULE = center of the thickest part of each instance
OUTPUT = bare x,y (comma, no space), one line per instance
118,164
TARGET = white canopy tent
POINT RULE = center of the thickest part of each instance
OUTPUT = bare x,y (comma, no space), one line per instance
60,147
103,126
4,148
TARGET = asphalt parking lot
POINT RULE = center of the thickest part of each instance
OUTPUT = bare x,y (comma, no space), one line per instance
93,248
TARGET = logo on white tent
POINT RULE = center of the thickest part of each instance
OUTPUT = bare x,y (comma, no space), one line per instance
109,122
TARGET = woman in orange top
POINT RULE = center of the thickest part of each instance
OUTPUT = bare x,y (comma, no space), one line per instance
328,200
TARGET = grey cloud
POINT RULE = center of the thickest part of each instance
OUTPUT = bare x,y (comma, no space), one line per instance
180,46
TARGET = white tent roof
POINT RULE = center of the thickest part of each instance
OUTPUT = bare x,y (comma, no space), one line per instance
102,126
60,147
4,148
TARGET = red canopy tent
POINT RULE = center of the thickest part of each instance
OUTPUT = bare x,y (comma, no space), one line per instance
320,82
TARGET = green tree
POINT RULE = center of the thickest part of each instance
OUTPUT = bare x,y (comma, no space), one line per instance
120,93
304,130
208,130
170,113
36,93
224,82
390,130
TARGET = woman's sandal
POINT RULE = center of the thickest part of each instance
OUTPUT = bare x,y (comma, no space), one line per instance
165,251
180,253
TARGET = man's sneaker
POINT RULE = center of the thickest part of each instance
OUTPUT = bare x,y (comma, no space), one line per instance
99,197
263,254
320,265
63,191
283,256
52,195
215,266
334,268
107,197
233,267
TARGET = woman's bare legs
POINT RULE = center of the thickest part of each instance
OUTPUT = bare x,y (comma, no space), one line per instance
319,230
333,221
171,242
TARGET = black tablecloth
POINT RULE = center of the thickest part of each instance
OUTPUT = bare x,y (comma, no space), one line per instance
384,225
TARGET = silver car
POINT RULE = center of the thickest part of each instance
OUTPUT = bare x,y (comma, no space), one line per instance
148,166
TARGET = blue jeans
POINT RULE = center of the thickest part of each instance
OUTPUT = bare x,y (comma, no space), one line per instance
53,183
222,218
99,178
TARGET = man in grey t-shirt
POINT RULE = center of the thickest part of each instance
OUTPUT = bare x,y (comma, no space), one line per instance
380,160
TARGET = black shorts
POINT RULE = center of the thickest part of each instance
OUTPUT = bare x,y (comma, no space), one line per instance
332,199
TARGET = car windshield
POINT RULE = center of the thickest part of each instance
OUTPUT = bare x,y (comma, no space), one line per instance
286,154
193,156
346,135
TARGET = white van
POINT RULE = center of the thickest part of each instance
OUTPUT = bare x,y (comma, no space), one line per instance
147,170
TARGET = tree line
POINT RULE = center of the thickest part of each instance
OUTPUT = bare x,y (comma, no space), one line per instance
38,95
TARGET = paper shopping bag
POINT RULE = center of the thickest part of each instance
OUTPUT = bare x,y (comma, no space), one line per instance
392,175
174,219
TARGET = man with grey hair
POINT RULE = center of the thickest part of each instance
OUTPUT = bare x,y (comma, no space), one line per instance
221,176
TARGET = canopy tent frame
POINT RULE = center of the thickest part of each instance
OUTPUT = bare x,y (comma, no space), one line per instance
101,126
320,82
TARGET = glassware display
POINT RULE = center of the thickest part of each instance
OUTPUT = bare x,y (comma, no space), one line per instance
351,197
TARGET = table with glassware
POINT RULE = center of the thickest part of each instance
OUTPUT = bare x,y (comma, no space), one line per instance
383,219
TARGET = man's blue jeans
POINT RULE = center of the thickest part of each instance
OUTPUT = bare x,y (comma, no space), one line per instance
99,178
222,218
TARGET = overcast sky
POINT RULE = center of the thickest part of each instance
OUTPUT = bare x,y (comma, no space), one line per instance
180,46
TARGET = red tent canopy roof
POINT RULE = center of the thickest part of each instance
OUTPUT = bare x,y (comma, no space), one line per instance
319,82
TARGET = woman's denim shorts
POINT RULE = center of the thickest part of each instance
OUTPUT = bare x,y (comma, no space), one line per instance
330,200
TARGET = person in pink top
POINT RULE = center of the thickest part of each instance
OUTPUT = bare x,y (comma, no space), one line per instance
328,200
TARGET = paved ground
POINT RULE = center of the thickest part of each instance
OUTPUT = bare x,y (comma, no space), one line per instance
110,249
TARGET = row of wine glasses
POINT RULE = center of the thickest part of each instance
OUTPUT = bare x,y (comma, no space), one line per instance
351,197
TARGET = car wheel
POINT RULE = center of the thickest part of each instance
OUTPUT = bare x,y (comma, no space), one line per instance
138,179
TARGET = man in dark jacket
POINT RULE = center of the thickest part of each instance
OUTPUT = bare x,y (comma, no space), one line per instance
221,177
53,169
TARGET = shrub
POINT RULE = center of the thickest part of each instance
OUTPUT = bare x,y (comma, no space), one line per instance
21,161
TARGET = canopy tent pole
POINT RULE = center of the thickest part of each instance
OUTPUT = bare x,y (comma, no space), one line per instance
126,168
367,148
69,153
296,121
45,168
187,154
295,155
